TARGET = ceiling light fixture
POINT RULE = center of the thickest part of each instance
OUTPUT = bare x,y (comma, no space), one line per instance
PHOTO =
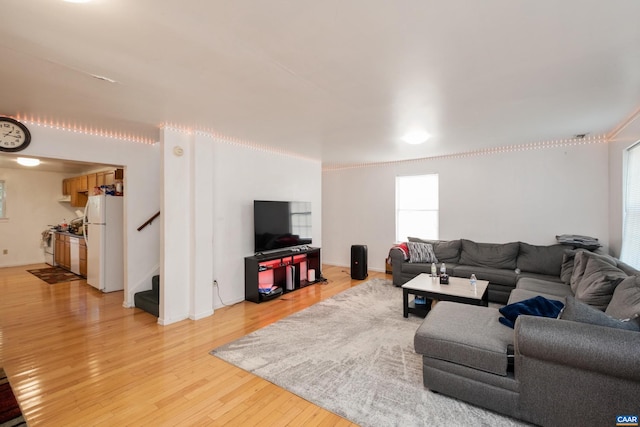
25,161
416,137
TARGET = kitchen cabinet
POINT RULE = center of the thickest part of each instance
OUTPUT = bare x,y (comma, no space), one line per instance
63,251
65,186
83,258
81,183
106,177
79,188
59,250
92,182
78,197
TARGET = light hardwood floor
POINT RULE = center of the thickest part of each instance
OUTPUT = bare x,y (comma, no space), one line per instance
76,357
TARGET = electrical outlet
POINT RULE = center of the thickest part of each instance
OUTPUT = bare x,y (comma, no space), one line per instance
5,251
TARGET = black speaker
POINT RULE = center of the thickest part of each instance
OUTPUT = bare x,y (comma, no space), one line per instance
359,262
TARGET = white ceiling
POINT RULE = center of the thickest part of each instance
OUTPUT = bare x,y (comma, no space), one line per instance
338,81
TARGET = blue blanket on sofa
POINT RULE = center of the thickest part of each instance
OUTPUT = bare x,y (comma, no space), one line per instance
538,306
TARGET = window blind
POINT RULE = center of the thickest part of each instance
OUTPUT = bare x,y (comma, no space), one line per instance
630,252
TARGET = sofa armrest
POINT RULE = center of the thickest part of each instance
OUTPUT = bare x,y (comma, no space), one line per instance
397,259
575,374
609,351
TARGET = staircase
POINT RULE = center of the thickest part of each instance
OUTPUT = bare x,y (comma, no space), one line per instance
149,301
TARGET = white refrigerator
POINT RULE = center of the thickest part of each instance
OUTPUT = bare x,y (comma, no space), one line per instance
103,233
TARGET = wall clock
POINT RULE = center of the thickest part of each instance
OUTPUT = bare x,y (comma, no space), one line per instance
14,136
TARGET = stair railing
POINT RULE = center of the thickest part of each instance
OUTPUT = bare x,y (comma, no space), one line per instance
149,221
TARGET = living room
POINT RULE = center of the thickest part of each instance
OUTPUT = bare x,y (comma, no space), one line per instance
304,121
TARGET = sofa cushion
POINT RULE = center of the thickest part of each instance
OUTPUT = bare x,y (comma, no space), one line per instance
577,311
495,255
544,286
446,251
540,259
465,334
538,276
625,302
493,275
598,282
580,259
524,294
421,252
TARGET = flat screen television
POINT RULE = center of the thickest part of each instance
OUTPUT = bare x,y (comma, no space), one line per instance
280,225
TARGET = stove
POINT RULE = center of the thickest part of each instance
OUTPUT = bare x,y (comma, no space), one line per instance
50,249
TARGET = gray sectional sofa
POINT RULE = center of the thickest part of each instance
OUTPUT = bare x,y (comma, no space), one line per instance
502,264
579,369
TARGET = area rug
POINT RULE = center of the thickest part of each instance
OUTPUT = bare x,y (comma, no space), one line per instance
54,275
10,415
353,355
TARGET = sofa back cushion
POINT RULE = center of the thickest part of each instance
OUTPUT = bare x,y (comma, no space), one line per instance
495,255
598,282
540,259
447,251
625,302
577,260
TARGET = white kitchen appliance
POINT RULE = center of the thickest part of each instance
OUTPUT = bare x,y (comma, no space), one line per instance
49,248
104,237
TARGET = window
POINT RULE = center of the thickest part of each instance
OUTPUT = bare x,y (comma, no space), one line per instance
417,207
630,252
3,203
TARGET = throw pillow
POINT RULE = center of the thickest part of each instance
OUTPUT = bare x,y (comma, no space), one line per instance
495,255
580,259
625,303
537,306
446,250
421,252
577,311
566,271
598,282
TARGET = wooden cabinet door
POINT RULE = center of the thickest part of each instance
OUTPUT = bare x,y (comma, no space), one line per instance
65,187
59,254
100,179
66,253
81,183
73,192
83,258
92,182
110,178
78,199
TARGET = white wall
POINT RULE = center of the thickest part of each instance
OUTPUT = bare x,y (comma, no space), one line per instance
208,216
626,138
32,205
142,191
528,196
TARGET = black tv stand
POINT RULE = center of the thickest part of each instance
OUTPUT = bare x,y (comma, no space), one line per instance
264,270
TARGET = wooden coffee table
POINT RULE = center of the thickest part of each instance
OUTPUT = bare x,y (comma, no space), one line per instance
458,290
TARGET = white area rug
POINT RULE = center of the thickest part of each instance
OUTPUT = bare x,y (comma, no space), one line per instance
352,354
